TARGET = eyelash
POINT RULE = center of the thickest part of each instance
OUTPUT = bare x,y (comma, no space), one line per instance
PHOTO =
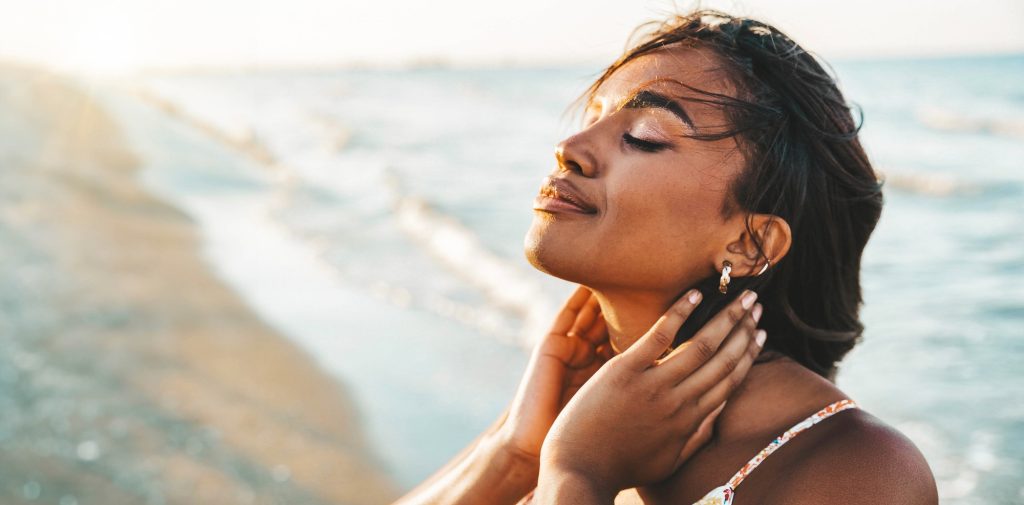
643,145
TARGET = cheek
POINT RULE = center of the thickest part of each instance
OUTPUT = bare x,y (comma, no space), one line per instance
663,213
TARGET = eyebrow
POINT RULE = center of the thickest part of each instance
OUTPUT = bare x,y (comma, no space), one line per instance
650,99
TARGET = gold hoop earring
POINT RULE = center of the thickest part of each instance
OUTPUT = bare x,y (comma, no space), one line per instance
723,283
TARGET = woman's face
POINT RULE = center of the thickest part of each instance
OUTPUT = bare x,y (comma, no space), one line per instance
649,203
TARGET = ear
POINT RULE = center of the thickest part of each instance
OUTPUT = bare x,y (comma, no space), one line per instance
773,235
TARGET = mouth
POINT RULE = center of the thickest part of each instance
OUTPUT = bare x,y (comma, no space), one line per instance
559,195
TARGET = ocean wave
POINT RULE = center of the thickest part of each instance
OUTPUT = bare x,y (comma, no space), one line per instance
938,185
338,134
504,287
949,120
246,141
504,284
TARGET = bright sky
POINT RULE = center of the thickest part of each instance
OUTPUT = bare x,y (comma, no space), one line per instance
122,35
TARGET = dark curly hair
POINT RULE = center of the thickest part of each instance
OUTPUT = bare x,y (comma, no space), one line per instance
805,164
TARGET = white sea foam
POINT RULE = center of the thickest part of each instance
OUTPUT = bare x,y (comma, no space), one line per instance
944,119
398,364
938,185
314,163
460,250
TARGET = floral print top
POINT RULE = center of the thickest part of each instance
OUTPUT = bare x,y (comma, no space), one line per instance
723,495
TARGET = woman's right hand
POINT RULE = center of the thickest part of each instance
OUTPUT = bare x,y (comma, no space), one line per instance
502,465
570,353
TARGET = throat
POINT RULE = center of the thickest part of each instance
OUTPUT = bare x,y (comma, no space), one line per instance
629,315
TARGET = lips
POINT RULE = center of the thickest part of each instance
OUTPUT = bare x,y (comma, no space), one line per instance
566,196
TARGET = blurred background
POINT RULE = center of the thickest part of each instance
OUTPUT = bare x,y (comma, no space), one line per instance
270,252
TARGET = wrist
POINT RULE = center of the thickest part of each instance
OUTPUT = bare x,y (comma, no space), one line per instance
515,470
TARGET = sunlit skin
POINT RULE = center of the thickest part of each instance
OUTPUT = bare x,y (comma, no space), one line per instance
637,215
659,226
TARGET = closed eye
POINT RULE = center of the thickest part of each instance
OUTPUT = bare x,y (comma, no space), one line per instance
643,145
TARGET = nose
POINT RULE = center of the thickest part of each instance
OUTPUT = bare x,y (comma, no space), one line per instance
575,155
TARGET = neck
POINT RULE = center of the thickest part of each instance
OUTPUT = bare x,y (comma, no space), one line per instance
630,314
774,394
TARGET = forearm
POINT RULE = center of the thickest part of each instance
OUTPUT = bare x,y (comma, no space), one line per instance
484,472
558,487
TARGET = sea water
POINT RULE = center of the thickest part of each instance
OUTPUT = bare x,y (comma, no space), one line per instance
377,218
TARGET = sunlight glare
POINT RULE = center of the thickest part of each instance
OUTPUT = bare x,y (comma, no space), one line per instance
103,46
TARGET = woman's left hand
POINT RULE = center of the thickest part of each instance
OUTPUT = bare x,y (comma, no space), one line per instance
640,417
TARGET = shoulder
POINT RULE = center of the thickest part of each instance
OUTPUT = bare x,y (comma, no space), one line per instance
855,458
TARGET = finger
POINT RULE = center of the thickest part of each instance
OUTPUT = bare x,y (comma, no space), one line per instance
726,359
586,350
700,437
693,353
721,391
598,331
652,344
585,316
567,315
585,344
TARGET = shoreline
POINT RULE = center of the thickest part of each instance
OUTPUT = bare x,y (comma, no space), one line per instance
140,377
426,377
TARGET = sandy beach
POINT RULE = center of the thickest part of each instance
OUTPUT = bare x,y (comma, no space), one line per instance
128,372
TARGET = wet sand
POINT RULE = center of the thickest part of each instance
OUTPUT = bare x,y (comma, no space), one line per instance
128,372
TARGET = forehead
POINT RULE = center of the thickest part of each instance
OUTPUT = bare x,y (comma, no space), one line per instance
668,70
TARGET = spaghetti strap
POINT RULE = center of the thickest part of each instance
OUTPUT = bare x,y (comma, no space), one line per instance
785,437
723,495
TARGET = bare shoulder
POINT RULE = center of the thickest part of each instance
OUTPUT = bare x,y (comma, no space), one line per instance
855,458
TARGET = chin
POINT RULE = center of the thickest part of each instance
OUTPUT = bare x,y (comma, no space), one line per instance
563,250
534,247
551,253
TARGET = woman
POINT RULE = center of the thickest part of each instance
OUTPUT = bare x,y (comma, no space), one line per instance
716,155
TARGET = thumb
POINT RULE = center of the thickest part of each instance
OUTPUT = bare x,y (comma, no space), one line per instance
656,341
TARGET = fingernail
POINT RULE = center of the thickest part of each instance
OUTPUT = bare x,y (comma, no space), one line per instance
748,299
760,337
756,313
718,410
694,296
